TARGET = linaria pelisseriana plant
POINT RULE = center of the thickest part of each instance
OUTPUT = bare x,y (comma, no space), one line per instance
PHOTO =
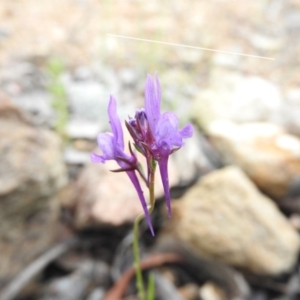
156,136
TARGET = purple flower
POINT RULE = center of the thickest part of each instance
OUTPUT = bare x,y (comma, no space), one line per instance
164,129
112,147
156,134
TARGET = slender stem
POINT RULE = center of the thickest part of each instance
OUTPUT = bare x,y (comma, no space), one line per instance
137,261
151,191
136,252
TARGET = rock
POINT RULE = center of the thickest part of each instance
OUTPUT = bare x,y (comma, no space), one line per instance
269,156
38,105
227,61
88,100
10,113
292,21
71,287
76,157
76,285
224,217
96,294
265,43
24,236
83,73
189,291
32,165
196,156
104,197
23,74
80,129
237,98
31,174
210,291
164,289
128,76
290,111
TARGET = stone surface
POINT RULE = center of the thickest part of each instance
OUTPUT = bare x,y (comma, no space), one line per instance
76,157
196,156
38,105
26,235
76,285
226,218
31,165
237,98
104,197
79,129
290,111
269,155
31,173
210,291
88,99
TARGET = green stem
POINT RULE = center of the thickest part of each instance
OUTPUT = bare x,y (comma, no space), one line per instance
137,261
136,252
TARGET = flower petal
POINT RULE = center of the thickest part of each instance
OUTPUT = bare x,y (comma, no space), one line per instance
167,130
187,131
152,101
158,89
96,158
106,143
137,186
163,168
115,122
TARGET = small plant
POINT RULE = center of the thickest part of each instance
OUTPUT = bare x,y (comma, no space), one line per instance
156,137
55,68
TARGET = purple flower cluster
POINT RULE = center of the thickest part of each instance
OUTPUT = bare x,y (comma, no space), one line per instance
155,135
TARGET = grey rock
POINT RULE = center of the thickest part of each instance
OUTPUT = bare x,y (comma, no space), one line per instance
128,76
265,43
81,129
194,157
38,104
237,98
83,73
96,294
76,285
68,288
290,111
76,157
292,21
227,60
107,76
164,288
24,74
88,100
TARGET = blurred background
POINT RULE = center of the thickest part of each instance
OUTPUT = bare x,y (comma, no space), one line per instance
65,223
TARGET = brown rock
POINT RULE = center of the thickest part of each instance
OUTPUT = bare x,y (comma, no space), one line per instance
269,156
226,218
189,291
104,197
9,111
31,173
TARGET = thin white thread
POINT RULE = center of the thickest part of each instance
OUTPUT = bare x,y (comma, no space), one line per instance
187,46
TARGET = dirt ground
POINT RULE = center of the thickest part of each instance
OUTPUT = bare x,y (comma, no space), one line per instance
76,31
